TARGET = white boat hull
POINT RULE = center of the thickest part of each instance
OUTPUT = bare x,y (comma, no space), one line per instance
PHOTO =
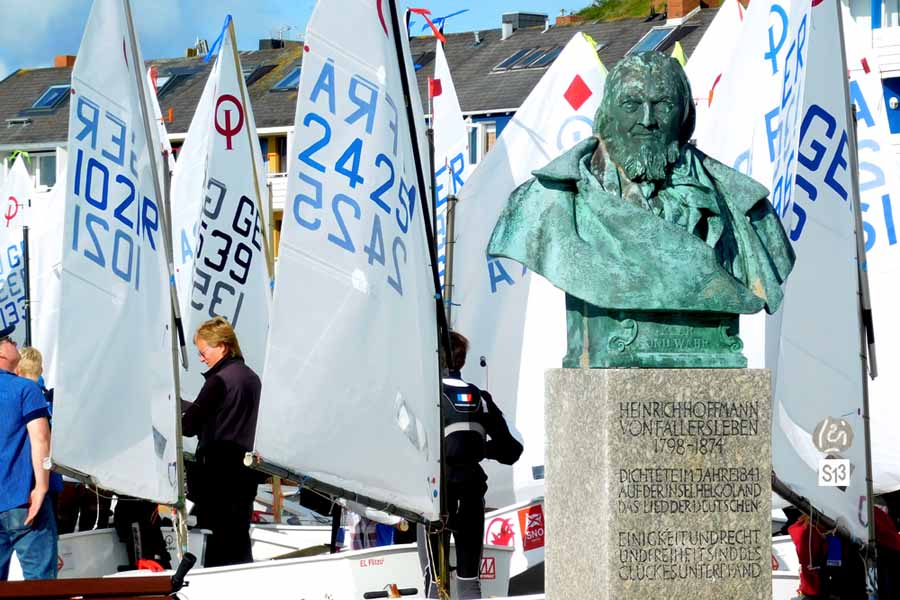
785,568
342,576
270,541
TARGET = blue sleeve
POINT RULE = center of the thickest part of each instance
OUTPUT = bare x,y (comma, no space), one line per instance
34,405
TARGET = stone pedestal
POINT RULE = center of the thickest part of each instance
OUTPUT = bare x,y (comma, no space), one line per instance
658,484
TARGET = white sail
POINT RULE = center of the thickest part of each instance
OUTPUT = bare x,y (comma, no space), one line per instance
115,411
15,193
493,298
790,94
188,191
880,188
226,258
451,148
350,388
714,54
45,269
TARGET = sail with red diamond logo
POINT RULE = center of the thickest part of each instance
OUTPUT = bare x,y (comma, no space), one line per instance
492,298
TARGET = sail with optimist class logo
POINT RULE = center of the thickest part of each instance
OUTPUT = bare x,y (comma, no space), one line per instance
115,409
351,383
219,237
15,192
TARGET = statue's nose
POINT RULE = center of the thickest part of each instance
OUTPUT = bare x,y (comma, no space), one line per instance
647,115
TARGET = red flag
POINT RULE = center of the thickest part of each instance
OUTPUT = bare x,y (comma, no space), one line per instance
434,88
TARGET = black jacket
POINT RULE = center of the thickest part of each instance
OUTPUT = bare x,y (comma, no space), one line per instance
226,407
490,439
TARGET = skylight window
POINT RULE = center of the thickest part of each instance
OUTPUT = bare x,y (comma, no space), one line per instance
290,82
52,96
546,58
423,59
166,82
161,81
516,57
254,72
527,60
653,39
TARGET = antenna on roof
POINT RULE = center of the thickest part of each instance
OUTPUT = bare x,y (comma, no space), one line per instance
280,31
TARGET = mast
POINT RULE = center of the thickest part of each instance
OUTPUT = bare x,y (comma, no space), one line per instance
175,327
448,261
864,306
27,277
443,330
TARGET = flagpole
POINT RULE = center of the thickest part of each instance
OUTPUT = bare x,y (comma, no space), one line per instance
443,330
864,306
175,320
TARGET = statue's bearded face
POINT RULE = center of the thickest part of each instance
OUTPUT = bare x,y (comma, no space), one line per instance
641,124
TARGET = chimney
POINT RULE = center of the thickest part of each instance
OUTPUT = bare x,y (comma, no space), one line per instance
568,20
477,38
678,10
63,61
511,22
270,44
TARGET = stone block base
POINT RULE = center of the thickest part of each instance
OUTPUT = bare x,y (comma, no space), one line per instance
658,484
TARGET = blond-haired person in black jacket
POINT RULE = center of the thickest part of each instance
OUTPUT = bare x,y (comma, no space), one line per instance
223,417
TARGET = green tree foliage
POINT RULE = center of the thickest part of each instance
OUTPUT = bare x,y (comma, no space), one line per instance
609,10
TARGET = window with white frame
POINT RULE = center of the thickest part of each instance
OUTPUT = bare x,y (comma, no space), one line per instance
43,168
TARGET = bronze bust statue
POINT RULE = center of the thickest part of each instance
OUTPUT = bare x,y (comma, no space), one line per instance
658,247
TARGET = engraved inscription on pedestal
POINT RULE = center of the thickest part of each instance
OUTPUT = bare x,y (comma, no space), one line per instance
674,468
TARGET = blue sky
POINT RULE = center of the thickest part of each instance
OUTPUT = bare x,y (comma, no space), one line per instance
32,34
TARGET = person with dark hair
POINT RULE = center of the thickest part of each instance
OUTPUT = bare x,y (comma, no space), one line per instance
223,417
474,430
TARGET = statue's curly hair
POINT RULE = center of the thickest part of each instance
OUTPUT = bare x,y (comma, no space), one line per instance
666,66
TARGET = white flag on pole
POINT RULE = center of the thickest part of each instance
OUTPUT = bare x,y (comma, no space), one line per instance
493,298
713,55
451,148
45,269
